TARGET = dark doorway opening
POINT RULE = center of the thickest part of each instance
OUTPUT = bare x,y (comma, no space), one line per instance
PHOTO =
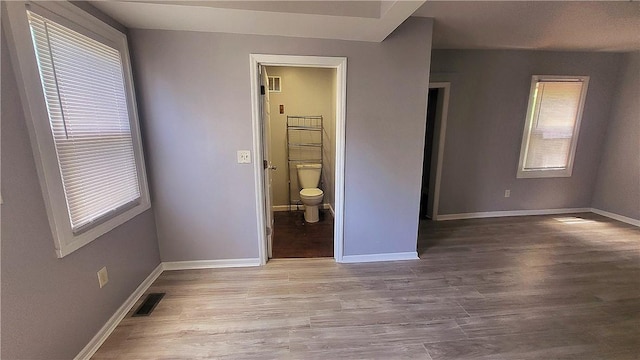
432,101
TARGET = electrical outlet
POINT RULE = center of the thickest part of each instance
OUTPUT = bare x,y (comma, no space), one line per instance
103,277
507,193
244,157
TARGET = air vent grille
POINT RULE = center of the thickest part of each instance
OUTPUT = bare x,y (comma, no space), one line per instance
149,304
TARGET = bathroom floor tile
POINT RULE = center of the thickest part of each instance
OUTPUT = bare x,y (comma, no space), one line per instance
295,238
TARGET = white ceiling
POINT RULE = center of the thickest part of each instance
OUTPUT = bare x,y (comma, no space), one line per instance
549,25
345,20
559,25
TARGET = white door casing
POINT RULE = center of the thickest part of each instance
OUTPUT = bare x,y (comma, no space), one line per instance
338,63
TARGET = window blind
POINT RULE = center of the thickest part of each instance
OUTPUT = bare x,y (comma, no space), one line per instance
83,84
553,122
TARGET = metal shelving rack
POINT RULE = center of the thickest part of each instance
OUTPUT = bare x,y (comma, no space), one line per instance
304,145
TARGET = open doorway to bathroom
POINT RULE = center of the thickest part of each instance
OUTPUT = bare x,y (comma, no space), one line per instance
298,124
302,152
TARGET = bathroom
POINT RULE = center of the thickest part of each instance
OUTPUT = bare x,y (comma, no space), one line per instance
302,145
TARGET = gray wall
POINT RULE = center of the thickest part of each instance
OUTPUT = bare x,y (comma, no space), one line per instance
51,308
194,92
487,109
618,186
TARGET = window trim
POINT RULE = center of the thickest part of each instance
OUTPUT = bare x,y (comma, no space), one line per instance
31,94
550,173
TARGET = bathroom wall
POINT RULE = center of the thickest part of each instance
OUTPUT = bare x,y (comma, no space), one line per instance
618,186
195,100
304,91
51,307
487,110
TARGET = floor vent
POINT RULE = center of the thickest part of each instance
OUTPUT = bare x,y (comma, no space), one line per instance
149,304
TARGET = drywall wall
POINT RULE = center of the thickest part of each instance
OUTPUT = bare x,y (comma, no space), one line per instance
487,109
305,91
194,95
51,308
618,187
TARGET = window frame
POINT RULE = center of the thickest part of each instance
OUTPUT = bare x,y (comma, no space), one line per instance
528,124
274,90
35,112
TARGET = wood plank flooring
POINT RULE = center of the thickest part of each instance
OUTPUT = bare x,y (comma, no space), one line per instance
295,238
509,288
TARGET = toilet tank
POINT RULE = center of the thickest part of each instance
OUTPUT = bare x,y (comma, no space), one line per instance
309,175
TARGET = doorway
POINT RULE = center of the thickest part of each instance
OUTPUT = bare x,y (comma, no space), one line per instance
263,168
301,141
432,100
435,131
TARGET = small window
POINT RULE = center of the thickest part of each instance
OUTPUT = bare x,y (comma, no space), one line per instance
275,83
552,126
91,165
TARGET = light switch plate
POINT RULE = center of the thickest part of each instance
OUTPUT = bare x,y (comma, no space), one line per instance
244,157
103,277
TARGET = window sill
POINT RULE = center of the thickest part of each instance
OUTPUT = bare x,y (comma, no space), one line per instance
67,242
532,174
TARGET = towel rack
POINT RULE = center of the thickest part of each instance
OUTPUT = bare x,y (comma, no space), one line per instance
304,145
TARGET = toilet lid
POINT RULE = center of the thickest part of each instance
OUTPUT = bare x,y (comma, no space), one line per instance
311,192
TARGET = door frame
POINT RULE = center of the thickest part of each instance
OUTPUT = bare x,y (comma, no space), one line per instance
338,63
442,118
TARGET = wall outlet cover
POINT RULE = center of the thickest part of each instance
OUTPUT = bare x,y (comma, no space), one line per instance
244,157
507,193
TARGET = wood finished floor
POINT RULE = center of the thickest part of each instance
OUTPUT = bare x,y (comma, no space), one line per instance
295,238
509,288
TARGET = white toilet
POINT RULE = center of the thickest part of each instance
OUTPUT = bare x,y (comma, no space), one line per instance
310,195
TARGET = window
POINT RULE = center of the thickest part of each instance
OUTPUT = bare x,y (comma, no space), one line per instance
83,117
552,125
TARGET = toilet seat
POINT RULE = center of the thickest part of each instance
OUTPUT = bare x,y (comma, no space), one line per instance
311,192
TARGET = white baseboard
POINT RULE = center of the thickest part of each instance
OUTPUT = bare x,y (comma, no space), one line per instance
413,255
614,216
281,207
286,207
298,207
333,213
491,214
210,264
115,319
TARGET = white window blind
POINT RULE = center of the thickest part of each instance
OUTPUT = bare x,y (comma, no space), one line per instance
83,84
552,122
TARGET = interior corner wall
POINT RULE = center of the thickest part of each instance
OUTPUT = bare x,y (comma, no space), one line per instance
194,92
305,91
487,110
618,187
51,307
